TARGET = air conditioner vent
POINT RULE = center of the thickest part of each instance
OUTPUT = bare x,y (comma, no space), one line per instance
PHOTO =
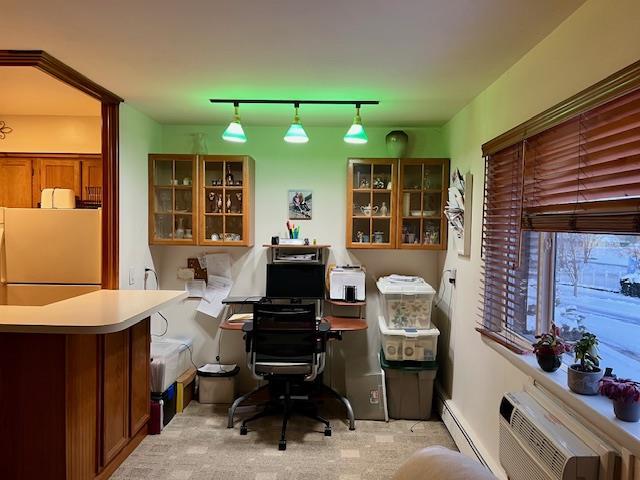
516,461
538,443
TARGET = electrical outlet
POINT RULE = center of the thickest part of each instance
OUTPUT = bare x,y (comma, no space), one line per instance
132,275
452,276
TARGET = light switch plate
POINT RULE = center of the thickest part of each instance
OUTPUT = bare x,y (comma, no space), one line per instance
132,275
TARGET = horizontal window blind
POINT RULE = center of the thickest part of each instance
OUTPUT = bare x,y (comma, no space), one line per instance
584,174
504,299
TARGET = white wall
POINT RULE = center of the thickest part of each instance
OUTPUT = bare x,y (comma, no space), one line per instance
320,165
52,134
139,135
598,39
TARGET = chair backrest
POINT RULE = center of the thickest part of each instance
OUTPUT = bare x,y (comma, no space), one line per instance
285,333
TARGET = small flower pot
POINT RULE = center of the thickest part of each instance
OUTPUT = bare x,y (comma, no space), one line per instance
549,362
627,410
584,383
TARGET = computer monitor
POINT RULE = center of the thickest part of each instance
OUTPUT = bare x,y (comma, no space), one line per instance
290,280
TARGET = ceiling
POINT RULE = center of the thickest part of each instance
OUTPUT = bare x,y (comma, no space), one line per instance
28,91
423,59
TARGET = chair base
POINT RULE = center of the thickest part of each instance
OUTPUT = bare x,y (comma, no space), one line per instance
285,404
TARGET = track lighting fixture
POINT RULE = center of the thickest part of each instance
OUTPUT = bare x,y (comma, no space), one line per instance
234,132
356,133
296,133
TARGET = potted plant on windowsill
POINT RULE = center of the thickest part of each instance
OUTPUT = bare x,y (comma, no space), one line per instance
625,395
584,375
549,349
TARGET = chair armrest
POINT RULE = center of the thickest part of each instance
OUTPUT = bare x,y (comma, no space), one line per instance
247,328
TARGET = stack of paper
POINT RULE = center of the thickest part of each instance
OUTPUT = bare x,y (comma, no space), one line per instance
219,283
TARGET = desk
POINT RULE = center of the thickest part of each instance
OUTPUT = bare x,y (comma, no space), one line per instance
337,326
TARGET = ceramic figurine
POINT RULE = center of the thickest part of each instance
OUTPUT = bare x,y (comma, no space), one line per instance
229,176
384,211
360,236
219,203
228,203
378,183
364,182
180,229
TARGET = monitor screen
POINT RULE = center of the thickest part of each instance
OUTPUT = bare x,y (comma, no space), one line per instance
287,280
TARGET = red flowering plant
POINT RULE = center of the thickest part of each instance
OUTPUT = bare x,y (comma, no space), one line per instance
620,389
551,344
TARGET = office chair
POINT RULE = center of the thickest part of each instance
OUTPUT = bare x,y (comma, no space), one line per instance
286,346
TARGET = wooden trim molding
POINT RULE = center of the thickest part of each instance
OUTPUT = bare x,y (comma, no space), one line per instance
614,86
48,64
110,130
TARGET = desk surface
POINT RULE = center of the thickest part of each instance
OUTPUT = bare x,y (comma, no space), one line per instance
338,324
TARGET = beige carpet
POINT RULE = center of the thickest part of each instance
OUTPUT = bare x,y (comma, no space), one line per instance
197,446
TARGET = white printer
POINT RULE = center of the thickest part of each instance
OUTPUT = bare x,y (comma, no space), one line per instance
345,279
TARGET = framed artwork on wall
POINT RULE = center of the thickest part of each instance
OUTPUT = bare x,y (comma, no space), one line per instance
300,204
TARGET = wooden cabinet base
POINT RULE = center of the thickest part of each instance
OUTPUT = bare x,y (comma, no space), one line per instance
66,404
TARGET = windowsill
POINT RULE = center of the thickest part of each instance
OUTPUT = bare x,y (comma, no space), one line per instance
596,408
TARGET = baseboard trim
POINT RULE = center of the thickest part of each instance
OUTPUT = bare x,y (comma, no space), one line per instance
462,435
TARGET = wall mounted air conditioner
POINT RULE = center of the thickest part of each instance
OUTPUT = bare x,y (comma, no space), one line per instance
534,445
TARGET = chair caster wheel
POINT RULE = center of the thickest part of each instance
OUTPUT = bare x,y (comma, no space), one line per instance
327,432
282,445
243,430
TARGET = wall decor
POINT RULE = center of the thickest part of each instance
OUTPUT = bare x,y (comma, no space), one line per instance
459,217
4,130
300,204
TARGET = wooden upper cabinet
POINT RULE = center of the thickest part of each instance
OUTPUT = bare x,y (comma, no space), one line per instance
395,203
422,195
201,199
225,199
16,182
173,199
60,173
371,203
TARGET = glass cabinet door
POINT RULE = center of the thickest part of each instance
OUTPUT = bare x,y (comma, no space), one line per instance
172,199
224,198
422,195
371,197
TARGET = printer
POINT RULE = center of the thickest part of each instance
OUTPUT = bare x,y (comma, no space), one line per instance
346,283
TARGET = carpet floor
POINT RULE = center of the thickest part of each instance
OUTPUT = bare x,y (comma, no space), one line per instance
196,445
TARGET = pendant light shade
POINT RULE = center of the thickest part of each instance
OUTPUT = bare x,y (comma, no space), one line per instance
356,133
296,133
234,132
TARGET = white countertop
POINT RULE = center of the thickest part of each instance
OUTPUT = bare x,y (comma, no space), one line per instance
101,311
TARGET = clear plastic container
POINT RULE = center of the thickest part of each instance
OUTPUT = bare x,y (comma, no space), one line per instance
405,302
415,344
170,358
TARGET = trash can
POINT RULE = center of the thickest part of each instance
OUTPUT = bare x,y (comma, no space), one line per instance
409,387
216,383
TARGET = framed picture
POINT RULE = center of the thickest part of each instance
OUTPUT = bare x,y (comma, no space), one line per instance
300,204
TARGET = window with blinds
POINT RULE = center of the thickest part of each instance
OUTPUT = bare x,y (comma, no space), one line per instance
504,281
579,175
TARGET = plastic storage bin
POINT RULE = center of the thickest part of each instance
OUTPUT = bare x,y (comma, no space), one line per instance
409,388
217,383
409,343
170,358
405,301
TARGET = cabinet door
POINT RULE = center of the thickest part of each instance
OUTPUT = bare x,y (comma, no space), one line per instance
15,182
139,383
115,394
61,173
91,180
